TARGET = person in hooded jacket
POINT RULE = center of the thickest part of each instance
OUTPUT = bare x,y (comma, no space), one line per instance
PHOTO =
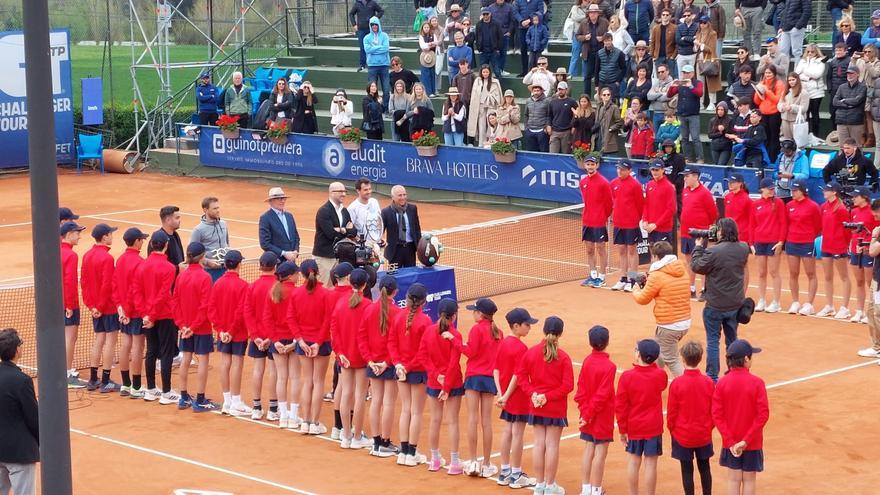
360,14
377,45
720,125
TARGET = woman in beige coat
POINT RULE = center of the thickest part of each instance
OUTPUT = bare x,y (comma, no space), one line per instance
608,124
705,43
508,119
795,100
485,96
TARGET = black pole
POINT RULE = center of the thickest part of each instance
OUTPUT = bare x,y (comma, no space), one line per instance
110,58
55,472
211,29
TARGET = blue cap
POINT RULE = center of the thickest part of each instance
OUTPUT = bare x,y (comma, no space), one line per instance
741,348
519,315
195,249
599,336
389,283
736,178
690,170
159,238
832,186
485,10
800,186
286,269
309,266
132,235
624,164
204,75
704,19
358,277
657,163
343,269
268,259
65,213
483,305
233,257
668,142
553,325
417,291
862,191
767,183
649,350
447,306
68,227
102,229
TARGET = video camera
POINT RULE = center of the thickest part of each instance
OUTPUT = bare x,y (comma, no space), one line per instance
857,226
355,251
848,183
711,233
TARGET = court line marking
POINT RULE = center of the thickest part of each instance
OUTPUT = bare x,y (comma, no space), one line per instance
192,462
22,224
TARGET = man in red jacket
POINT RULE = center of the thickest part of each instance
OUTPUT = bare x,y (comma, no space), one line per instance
698,211
70,233
97,289
626,194
131,352
660,205
596,193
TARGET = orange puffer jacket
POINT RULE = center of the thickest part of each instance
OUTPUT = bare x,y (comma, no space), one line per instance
669,287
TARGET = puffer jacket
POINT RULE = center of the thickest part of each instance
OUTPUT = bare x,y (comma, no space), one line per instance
795,14
835,74
875,101
849,100
640,15
669,287
538,35
612,66
684,38
812,73
537,112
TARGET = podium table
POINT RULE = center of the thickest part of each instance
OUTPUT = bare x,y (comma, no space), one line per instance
439,280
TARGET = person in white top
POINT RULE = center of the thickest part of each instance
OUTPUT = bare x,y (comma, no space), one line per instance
341,111
541,76
366,215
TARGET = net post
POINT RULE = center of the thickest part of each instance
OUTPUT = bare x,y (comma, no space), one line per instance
55,472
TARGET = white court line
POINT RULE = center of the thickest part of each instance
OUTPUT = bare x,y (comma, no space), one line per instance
822,374
22,224
192,462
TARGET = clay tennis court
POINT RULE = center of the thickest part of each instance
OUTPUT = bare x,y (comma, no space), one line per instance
821,437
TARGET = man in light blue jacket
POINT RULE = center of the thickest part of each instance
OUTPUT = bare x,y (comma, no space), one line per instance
791,166
377,46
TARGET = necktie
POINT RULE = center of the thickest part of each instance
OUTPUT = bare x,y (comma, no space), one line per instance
401,225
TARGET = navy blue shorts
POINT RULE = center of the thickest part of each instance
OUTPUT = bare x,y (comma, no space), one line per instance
323,350
481,383
234,348
687,245
800,249
589,438
514,418
656,236
687,453
255,352
649,447
542,421
764,249
435,392
627,237
867,261
198,344
594,234
105,323
135,326
834,256
750,461
273,350
416,378
73,320
388,374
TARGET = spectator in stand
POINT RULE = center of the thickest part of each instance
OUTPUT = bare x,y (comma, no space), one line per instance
795,102
837,9
537,38
398,105
849,104
590,34
743,88
851,160
377,45
719,127
773,57
811,70
698,211
664,49
706,55
208,97
836,75
872,34
429,7
718,19
685,36
659,5
750,149
804,225
769,229
537,126
522,12
612,66
792,25
561,114
541,76
639,15
470,35
508,119
237,101
768,94
305,120
398,73
752,14
835,247
682,7
596,195
371,108
489,39
561,75
428,46
456,53
640,57
453,23
629,121
641,138
660,204
873,100
608,123
861,262
669,130
464,81
420,112
639,85
847,36
584,121
869,70
689,92
628,200
577,15
454,123
743,117
485,96
360,14
341,110
620,36
743,58
791,166
657,95
503,15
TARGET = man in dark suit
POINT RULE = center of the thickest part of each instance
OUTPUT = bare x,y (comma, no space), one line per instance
402,229
332,223
19,421
278,229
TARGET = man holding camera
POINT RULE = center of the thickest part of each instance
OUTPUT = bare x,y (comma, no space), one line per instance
874,296
850,166
724,266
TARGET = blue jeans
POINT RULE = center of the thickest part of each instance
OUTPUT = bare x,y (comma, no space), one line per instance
380,75
492,59
361,34
536,141
836,15
502,55
657,119
715,321
576,65
523,51
427,78
453,138
690,135
591,73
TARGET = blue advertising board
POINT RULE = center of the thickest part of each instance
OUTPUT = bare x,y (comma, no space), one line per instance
13,103
439,280
92,101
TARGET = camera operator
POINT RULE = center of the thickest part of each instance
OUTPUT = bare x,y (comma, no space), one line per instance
861,263
667,285
850,166
723,266
835,244
873,320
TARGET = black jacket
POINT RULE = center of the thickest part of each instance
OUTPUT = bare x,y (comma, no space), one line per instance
389,221
795,14
724,266
560,113
19,420
489,36
849,102
304,119
361,11
326,237
273,237
408,77
863,167
285,106
835,73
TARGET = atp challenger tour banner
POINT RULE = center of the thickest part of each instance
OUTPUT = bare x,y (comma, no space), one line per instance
13,106
540,176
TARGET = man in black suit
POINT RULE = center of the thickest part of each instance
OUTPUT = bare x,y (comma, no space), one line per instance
19,421
278,229
402,229
332,223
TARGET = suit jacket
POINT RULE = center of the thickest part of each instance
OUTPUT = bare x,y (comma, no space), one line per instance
19,421
272,235
325,237
389,220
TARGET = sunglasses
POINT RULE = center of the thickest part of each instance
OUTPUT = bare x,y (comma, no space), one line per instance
844,25
342,191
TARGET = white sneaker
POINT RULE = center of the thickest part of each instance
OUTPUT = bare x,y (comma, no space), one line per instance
272,416
224,409
240,409
415,460
294,423
843,314
257,414
170,397
361,442
401,459
760,306
282,423
304,428
152,395
554,489
864,320
826,311
345,443
335,433
319,429
772,307
857,317
472,468
794,308
806,310
488,470
619,285
628,287
869,353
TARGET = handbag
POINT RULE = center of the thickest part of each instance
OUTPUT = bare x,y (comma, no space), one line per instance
800,130
710,68
439,61
418,21
441,7
568,29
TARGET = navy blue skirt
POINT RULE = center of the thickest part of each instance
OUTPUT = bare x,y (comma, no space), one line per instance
481,383
388,374
234,348
323,350
198,344
273,350
416,378
591,439
687,453
542,421
73,320
649,447
750,461
435,392
514,418
135,326
254,352
105,323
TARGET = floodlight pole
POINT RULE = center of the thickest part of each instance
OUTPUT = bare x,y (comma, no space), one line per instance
55,472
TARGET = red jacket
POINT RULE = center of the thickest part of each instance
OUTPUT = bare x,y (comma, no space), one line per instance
595,395
153,280
337,293
480,350
596,193
554,379
97,279
689,409
123,281
698,210
510,353
403,343
769,221
862,214
639,402
309,315
255,300
275,314
344,323
660,204
440,357
642,141
835,238
69,276
372,344
740,409
226,310
738,206
628,203
804,221
192,300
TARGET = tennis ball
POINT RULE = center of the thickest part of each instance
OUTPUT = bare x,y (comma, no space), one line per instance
432,259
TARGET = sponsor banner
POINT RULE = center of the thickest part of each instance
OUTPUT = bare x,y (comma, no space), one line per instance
439,280
93,101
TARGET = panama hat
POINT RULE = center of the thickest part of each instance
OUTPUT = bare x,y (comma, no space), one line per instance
276,193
